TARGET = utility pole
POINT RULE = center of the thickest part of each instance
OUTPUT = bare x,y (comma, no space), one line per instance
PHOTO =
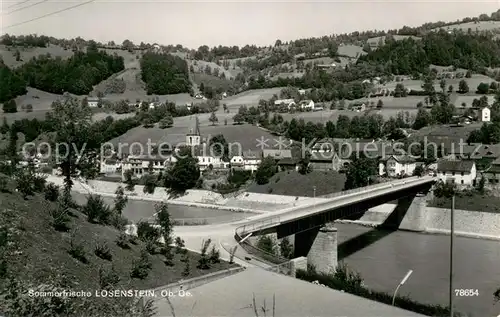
452,234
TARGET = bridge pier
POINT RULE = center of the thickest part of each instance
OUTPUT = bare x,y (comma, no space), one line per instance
409,213
319,245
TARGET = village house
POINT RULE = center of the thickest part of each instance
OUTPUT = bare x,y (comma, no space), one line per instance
140,165
491,175
322,161
307,105
283,158
459,172
485,114
251,161
326,66
93,102
397,165
287,102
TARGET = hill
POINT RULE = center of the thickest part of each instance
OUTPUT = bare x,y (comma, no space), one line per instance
291,183
39,257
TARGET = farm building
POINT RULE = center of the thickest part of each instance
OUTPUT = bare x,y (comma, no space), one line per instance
485,114
397,165
459,172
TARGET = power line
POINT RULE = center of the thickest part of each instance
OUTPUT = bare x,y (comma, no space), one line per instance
18,3
49,14
27,7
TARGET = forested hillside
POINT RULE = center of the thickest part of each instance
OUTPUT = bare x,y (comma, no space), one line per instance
77,75
11,84
165,74
469,51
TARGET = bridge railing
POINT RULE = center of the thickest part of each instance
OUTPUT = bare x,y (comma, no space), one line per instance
273,221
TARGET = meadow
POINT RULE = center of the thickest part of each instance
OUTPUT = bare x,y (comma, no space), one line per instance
251,98
28,53
480,26
242,137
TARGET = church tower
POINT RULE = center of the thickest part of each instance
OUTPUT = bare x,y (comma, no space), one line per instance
193,138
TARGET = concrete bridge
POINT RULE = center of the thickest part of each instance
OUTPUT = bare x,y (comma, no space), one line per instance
315,236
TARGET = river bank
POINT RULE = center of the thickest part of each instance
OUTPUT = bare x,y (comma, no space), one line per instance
470,224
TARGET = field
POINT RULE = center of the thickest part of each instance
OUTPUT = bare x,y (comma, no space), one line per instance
351,50
245,135
473,82
29,53
333,115
477,202
199,66
43,253
251,98
374,41
294,184
212,81
480,26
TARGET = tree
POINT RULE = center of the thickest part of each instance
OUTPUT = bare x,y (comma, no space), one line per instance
29,108
450,89
422,119
166,122
238,118
213,118
267,168
183,175
446,190
468,74
483,88
149,181
10,106
120,200
463,87
164,221
380,104
359,172
73,125
219,146
286,248
129,180
418,171
224,106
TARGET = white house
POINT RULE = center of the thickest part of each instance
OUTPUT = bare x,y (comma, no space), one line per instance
302,92
485,114
460,172
205,161
110,166
93,102
288,102
307,105
397,165
141,164
251,161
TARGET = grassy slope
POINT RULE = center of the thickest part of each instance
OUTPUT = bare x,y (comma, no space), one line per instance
477,202
294,184
44,250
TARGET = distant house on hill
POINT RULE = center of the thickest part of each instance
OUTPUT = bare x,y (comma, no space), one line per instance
287,102
93,102
326,66
307,105
485,114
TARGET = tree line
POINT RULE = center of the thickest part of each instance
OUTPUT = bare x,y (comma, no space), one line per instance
459,49
165,74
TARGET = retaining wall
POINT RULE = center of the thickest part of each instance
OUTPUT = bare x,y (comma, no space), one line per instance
437,220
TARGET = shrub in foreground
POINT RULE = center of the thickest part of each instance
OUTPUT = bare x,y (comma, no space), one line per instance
351,282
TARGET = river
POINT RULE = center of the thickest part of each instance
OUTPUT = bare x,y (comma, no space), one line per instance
387,257
383,258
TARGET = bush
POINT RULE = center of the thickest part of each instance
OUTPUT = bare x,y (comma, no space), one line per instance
118,221
151,247
146,232
214,255
96,210
51,192
166,251
60,218
39,183
122,241
102,251
77,251
179,245
4,184
141,266
187,266
108,278
204,261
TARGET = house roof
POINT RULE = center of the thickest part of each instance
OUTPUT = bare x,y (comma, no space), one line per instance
277,154
455,165
321,157
280,101
400,158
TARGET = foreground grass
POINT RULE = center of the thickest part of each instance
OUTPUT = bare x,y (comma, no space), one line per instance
293,183
38,255
472,202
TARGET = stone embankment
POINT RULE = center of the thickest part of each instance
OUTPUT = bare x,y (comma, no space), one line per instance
244,202
472,224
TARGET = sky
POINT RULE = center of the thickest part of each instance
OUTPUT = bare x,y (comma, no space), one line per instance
237,22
